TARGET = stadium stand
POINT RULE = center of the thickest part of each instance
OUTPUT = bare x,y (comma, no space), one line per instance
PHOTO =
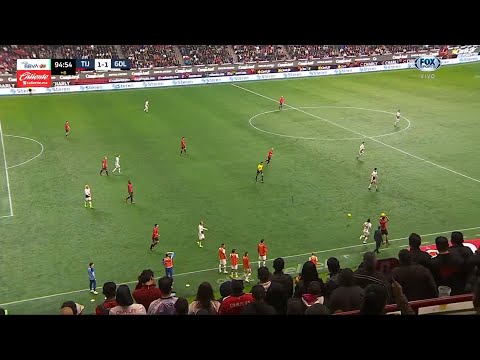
250,53
151,56
205,54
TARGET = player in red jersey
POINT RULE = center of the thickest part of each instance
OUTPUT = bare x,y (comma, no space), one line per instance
130,192
155,236
281,102
247,270
183,148
383,226
67,129
262,253
234,264
222,257
104,166
269,156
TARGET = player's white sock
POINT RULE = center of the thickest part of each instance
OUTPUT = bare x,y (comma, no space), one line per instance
119,171
259,264
263,263
220,268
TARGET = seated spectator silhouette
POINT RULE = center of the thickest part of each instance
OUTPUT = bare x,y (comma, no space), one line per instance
367,273
259,306
418,256
165,305
275,294
347,296
71,308
181,306
313,295
333,276
280,277
416,280
204,300
309,273
109,290
146,291
126,305
448,268
234,304
225,290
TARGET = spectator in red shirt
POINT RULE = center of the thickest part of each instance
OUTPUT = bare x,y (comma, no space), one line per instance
146,291
235,303
110,292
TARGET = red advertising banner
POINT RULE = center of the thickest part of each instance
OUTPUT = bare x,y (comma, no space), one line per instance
34,78
473,244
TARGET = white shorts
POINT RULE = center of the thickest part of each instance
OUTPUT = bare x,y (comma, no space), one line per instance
89,198
117,166
235,267
366,233
362,151
223,262
201,236
262,257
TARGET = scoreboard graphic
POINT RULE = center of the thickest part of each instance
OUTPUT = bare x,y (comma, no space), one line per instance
38,72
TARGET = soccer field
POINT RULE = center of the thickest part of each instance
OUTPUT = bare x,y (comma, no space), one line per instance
429,178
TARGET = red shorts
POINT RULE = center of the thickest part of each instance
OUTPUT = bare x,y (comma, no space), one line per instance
104,168
184,146
384,231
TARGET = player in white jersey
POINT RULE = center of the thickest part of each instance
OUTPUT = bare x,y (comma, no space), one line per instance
117,164
367,226
88,196
397,118
361,150
373,179
146,106
201,234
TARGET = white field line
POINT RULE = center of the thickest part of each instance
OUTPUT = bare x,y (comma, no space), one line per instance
33,158
362,135
6,171
216,268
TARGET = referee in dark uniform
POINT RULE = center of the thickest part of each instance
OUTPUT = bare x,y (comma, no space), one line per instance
378,237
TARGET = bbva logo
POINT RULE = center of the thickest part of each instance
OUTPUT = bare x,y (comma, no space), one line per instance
427,63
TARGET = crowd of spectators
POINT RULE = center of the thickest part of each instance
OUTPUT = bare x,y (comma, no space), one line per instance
326,51
367,289
151,56
205,54
251,53
10,53
87,52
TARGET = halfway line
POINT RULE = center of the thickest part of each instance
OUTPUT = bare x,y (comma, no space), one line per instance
216,268
362,135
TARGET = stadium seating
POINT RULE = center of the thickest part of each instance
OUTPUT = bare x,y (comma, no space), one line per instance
152,56
205,54
149,56
250,53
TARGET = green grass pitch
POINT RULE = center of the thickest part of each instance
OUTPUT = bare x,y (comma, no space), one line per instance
429,176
